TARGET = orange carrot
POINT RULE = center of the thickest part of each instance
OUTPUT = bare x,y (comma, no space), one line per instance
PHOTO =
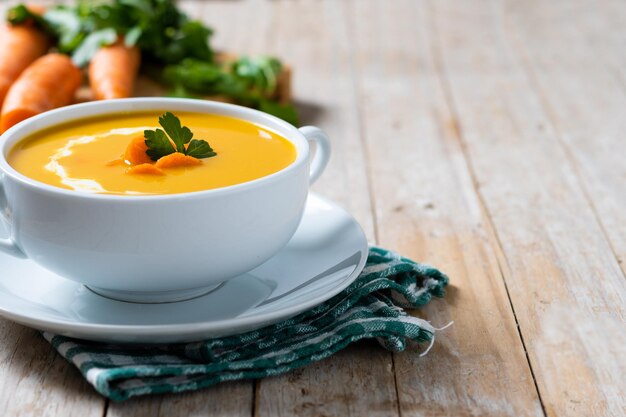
145,169
49,82
136,152
20,45
113,70
177,159
36,8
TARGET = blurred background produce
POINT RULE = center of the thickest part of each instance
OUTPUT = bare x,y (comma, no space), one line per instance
115,40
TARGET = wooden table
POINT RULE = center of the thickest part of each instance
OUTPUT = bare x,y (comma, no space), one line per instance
486,138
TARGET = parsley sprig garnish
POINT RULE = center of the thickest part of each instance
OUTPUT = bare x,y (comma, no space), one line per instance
160,145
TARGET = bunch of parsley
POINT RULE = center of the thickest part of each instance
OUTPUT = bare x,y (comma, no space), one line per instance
176,48
250,82
164,34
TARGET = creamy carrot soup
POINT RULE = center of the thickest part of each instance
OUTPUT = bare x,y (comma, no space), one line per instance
91,155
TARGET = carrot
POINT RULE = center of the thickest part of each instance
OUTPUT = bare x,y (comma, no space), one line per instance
20,45
145,169
136,152
49,82
36,8
113,70
177,159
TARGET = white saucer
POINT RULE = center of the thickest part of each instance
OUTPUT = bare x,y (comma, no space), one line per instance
325,255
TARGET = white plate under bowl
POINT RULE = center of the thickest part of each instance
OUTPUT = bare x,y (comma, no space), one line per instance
326,254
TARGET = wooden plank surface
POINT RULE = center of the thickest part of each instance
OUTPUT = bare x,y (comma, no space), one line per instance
560,269
228,400
482,137
583,91
427,208
35,381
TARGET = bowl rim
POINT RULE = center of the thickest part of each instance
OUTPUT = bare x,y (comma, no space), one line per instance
138,104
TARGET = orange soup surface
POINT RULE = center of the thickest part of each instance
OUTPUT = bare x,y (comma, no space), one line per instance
88,155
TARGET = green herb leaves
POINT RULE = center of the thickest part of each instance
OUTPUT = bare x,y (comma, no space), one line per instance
259,73
200,149
90,45
180,135
21,14
163,33
160,145
250,82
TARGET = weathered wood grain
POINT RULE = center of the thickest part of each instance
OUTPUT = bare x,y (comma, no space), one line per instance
558,260
35,381
228,400
427,208
583,92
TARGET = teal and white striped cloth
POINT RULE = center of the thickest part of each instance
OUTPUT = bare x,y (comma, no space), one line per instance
372,307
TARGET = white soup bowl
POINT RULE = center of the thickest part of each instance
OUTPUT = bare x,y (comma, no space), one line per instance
156,248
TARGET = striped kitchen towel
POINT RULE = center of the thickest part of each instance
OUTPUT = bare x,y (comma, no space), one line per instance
371,307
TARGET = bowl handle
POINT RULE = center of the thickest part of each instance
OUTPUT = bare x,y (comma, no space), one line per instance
322,150
8,245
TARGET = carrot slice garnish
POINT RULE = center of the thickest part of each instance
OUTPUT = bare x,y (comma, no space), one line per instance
136,152
177,159
145,169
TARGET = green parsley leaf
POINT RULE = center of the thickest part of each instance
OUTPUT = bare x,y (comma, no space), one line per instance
179,91
287,112
65,23
180,135
259,73
90,45
200,149
20,14
193,75
132,36
158,143
248,81
142,5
